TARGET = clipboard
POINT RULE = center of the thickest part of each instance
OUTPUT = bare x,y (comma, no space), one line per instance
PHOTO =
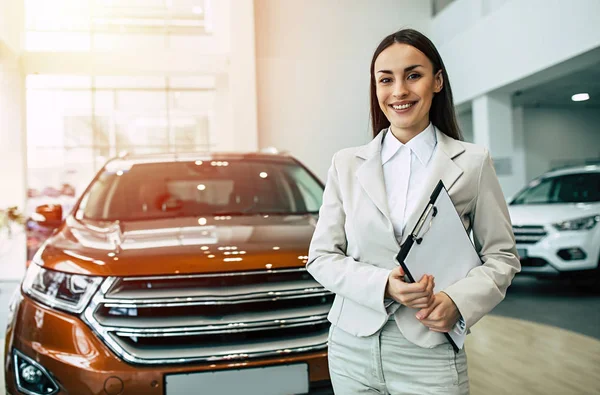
439,245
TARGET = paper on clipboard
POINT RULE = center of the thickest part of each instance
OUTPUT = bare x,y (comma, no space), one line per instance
440,246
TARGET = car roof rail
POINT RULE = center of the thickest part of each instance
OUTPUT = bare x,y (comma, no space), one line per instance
576,163
273,150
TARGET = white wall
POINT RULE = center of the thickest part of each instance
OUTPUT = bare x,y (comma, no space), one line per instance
486,47
12,130
12,160
557,135
467,12
12,20
242,75
313,61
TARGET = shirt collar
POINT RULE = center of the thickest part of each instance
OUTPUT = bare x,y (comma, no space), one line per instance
423,145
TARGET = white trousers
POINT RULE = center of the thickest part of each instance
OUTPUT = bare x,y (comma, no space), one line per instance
387,363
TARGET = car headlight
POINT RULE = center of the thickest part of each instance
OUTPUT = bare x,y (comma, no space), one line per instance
579,223
70,292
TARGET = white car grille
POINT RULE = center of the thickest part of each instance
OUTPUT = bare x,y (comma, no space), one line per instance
529,234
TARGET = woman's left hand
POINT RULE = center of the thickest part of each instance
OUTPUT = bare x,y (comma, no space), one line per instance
441,315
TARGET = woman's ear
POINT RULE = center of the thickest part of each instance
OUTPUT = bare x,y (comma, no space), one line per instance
438,81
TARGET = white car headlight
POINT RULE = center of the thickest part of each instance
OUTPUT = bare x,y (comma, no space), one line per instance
70,292
579,223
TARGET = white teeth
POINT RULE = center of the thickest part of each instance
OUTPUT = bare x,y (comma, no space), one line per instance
402,107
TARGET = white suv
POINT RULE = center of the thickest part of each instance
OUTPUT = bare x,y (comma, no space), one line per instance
555,221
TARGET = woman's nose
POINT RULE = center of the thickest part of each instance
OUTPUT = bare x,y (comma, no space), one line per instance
400,89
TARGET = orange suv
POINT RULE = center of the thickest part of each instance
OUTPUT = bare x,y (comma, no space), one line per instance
176,274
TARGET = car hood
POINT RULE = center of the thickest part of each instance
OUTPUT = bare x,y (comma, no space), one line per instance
180,245
541,214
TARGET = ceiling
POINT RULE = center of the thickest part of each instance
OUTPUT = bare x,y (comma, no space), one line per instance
557,92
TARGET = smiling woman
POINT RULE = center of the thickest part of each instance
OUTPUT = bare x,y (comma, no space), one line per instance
410,87
393,329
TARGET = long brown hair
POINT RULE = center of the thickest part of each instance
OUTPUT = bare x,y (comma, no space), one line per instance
442,113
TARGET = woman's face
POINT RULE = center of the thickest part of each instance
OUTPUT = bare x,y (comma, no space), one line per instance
405,85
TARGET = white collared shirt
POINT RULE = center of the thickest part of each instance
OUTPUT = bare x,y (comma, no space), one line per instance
405,167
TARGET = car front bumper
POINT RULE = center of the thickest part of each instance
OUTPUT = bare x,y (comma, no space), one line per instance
82,364
544,257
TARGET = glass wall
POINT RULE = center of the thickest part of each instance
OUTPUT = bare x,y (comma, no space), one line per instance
88,25
76,123
438,5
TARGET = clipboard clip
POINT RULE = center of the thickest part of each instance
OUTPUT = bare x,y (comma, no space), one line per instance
434,212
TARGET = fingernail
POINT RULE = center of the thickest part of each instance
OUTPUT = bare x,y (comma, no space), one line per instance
419,316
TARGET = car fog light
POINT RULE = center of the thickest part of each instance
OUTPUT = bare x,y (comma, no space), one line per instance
31,377
572,254
31,374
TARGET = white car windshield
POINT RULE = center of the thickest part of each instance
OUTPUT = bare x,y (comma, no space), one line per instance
568,188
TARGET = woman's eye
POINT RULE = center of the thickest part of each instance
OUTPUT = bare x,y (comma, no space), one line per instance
385,80
414,76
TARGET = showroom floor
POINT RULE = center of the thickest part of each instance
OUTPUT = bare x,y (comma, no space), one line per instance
543,339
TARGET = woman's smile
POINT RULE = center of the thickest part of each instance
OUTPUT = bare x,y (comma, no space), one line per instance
403,107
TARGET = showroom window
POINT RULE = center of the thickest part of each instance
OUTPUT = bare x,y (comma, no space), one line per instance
89,25
76,123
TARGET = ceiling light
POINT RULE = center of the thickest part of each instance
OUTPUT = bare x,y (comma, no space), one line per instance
580,97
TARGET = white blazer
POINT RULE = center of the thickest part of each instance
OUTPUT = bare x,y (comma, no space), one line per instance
353,248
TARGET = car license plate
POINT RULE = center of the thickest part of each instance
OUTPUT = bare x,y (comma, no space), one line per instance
522,253
270,380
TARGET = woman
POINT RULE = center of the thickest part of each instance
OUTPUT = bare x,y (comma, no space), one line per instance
387,335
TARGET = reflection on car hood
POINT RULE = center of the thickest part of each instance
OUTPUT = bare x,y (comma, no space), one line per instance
540,214
181,245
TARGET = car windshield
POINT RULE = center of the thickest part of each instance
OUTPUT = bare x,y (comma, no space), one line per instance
214,187
570,188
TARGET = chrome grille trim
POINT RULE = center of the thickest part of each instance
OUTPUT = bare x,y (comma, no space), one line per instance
241,326
207,302
529,234
219,354
217,329
222,293
243,319
212,275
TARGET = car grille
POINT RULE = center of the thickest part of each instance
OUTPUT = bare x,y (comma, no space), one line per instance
211,317
529,234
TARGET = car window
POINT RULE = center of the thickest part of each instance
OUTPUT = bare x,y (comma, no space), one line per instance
578,188
570,188
176,189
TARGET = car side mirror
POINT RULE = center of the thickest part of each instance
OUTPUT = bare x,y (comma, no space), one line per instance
48,215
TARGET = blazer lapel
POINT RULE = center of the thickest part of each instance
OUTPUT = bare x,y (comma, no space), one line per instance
442,168
370,174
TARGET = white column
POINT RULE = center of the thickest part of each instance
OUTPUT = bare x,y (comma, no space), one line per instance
234,126
242,75
494,127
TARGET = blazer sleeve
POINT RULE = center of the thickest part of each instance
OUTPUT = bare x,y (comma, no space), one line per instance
485,286
328,263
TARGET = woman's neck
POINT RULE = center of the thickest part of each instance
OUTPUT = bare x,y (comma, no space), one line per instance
405,135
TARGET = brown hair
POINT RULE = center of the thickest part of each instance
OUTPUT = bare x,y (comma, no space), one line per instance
441,113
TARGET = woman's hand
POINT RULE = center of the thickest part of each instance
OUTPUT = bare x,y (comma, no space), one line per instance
441,316
416,295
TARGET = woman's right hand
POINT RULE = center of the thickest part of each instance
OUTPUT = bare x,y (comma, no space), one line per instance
417,295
